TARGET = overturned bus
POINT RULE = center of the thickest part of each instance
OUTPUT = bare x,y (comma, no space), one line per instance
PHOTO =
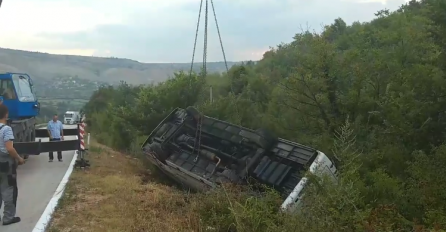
201,152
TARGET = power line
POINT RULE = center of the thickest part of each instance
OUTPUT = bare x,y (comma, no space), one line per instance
205,42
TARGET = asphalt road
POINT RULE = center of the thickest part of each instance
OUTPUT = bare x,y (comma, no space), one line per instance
37,182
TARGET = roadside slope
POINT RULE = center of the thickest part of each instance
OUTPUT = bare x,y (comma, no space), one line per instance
116,194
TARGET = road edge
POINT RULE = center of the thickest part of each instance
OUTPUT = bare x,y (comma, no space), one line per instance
47,214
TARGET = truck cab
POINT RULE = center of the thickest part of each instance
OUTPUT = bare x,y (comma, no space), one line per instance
18,95
71,117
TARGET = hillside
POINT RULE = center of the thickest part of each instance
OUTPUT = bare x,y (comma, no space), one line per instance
109,70
65,82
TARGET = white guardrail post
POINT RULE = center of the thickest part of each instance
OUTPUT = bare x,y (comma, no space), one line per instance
88,141
81,135
81,161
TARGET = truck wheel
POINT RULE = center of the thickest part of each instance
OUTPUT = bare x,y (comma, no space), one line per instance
159,152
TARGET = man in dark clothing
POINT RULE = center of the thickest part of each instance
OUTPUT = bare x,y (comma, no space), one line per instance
9,159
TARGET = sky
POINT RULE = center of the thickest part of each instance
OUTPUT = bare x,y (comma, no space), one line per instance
163,31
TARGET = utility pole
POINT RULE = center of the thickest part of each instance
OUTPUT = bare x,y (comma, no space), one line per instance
211,94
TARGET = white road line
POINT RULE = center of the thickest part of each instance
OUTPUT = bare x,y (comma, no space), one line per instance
45,219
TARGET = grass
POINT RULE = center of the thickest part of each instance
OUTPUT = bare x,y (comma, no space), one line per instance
117,195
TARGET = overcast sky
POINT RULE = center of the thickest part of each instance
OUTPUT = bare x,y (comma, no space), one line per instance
164,30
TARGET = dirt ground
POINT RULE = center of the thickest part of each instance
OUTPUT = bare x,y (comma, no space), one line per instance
118,195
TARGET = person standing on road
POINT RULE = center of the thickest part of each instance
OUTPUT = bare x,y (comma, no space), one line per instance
9,159
55,132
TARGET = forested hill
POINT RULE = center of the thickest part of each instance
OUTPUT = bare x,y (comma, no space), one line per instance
377,89
44,67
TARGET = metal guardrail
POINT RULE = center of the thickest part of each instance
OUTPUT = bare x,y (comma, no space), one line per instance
38,147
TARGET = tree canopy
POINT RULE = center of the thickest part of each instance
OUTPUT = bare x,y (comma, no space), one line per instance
377,89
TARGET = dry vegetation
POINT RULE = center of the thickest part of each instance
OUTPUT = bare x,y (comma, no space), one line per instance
116,194
119,195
